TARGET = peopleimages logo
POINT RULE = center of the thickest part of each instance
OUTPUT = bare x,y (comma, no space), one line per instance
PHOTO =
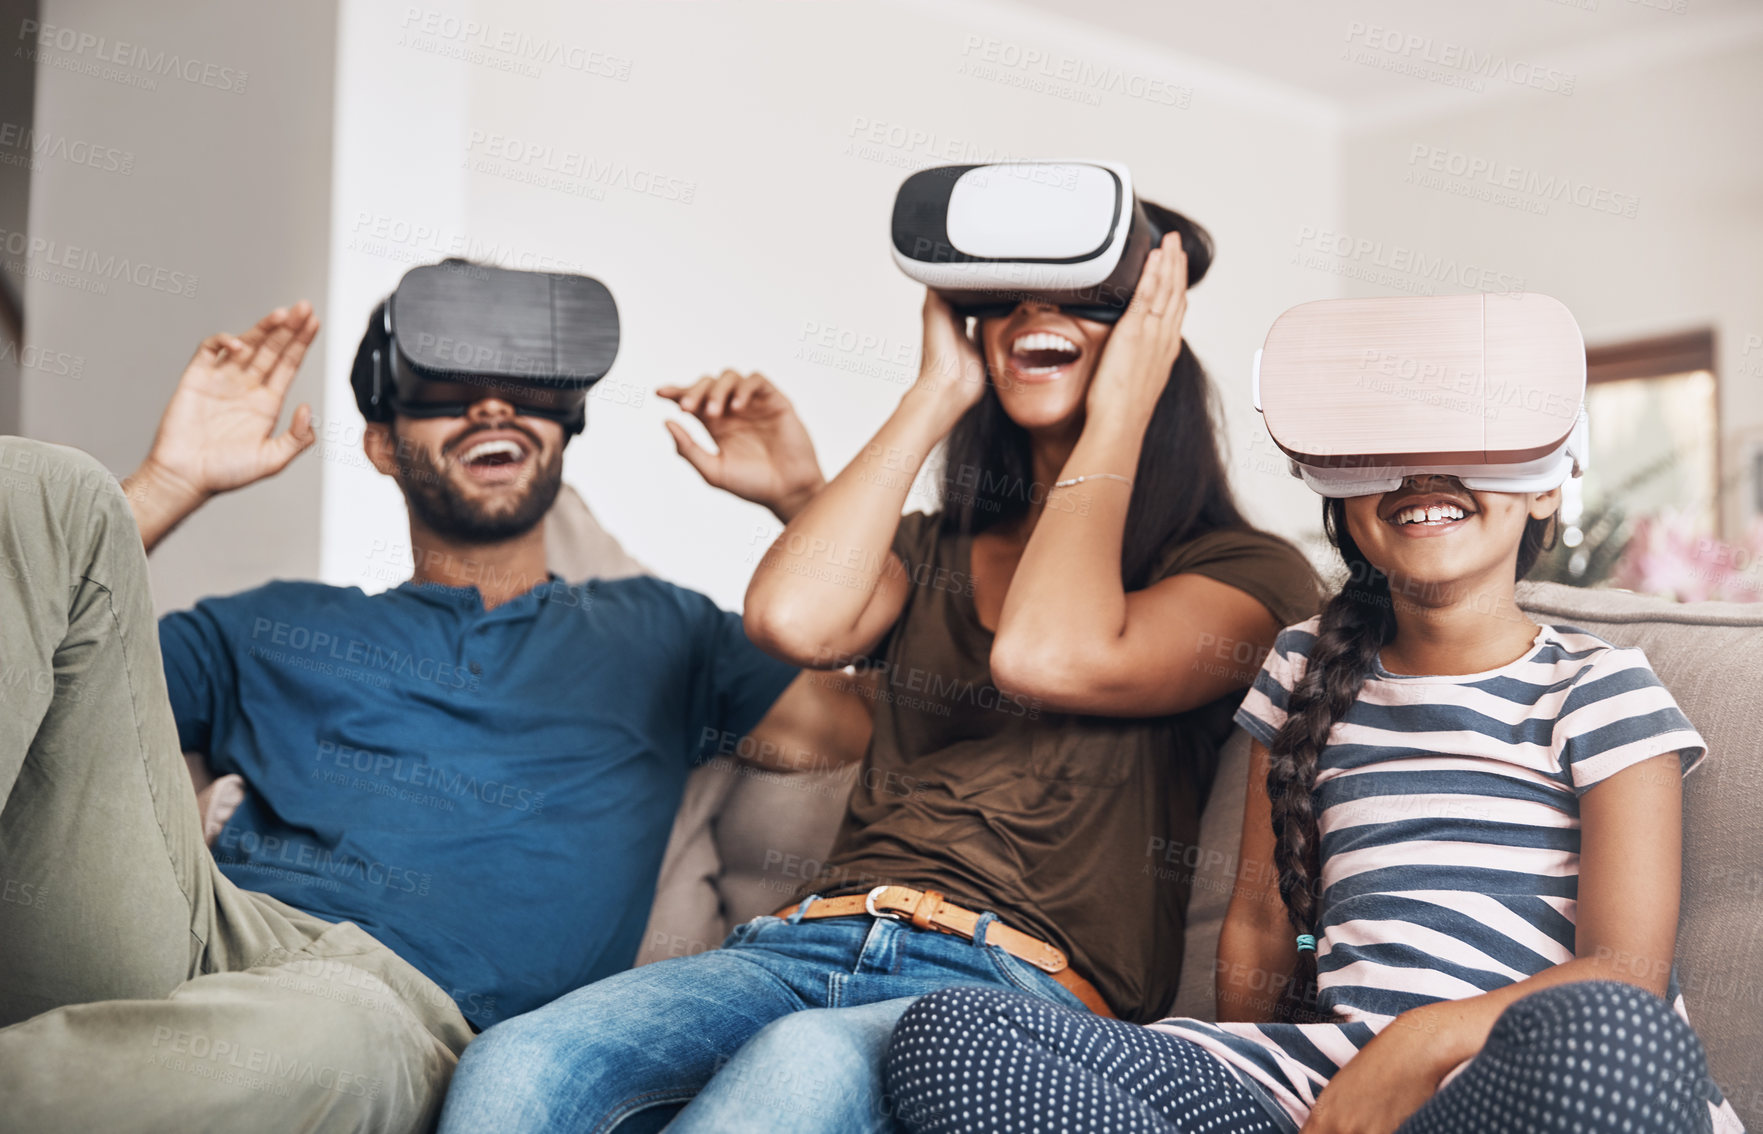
507,48
76,48
353,652
419,773
1394,50
568,170
297,858
1516,186
32,144
43,254
1399,266
1066,76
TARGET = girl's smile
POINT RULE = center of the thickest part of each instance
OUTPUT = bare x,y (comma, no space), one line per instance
1444,507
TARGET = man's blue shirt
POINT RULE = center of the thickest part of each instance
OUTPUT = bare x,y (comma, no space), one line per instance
487,792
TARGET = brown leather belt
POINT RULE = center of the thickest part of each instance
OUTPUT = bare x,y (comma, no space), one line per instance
926,909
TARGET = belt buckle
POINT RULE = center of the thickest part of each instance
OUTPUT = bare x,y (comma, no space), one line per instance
869,906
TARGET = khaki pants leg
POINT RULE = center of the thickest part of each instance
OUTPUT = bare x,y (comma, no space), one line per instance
143,990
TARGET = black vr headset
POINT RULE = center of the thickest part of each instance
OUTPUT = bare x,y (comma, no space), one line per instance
1073,234
456,332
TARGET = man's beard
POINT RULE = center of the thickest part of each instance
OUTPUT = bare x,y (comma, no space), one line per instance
439,506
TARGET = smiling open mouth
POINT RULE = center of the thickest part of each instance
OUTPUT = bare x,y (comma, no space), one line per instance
1434,514
1042,352
498,460
492,454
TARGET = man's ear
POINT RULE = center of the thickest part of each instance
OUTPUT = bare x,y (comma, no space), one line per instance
1545,504
381,449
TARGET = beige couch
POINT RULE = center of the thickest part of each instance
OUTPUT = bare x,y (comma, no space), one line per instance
743,840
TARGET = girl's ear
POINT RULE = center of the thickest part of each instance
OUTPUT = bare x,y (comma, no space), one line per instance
1545,504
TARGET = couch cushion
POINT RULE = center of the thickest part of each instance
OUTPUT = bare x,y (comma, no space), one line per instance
577,547
1710,655
687,915
744,840
1212,866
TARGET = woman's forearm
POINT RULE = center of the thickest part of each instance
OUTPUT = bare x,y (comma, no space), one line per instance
1067,599
809,593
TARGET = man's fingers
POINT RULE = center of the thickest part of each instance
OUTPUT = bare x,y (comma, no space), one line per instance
693,397
223,354
296,440
249,357
717,400
747,389
212,349
261,329
269,352
281,376
695,454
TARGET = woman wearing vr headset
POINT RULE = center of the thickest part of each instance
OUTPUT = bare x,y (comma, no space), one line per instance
1052,659
1474,828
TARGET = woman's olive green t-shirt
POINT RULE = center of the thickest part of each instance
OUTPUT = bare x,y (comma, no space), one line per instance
1076,829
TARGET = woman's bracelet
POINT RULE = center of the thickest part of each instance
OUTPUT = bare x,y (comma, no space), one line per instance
1069,481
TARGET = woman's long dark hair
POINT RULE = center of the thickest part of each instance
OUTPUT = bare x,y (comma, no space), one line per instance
1356,624
1179,491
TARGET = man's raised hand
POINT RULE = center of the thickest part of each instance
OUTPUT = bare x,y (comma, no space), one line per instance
763,454
218,432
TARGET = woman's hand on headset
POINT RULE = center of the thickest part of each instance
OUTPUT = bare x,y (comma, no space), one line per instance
1144,345
763,452
951,371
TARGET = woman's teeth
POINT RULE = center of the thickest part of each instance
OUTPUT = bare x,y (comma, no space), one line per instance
1042,352
1044,340
1431,514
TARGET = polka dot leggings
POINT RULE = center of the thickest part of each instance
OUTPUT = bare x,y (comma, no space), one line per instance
1583,1058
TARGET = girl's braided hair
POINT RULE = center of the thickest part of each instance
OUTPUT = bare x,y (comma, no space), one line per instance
1356,624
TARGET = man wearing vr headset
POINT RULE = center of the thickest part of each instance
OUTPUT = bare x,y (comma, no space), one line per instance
459,790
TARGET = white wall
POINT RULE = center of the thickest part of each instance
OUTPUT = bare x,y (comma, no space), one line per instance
762,116
1673,134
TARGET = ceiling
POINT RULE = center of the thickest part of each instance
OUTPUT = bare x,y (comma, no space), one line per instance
1304,44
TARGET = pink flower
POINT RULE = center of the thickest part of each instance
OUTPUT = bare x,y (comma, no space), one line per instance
1666,556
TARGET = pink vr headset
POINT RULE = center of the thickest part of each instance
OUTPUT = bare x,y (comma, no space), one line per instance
1360,393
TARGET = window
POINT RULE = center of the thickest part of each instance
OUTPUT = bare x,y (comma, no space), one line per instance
1647,513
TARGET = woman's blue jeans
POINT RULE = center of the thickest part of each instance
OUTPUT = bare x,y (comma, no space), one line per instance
781,1029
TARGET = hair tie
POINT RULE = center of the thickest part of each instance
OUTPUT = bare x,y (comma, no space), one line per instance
1305,941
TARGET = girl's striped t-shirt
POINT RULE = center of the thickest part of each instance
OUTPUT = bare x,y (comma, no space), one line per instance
1448,808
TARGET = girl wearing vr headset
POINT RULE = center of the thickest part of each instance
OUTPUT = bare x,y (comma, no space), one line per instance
1469,823
1052,664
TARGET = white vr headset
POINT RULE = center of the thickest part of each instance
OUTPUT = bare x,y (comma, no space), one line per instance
1362,393
1071,233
